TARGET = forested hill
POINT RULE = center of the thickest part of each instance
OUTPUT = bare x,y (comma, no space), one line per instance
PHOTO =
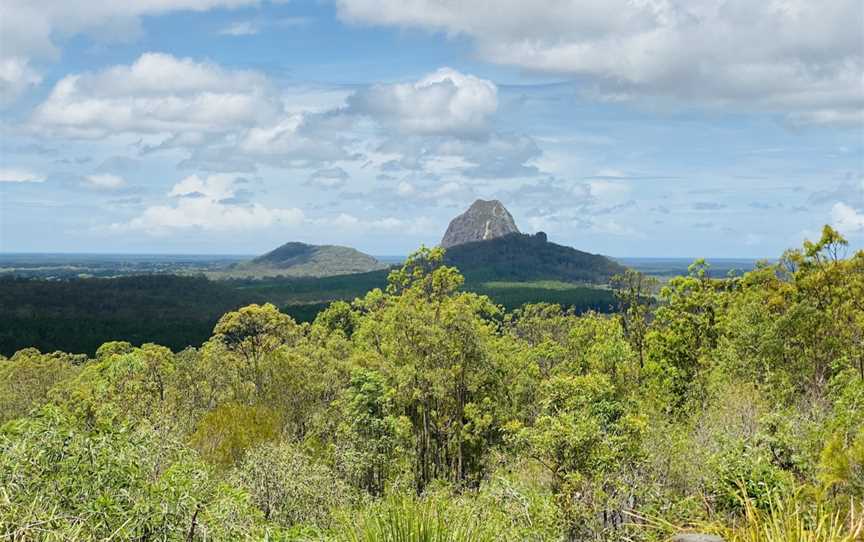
303,260
524,257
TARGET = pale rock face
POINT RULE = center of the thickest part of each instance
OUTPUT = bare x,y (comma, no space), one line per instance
483,220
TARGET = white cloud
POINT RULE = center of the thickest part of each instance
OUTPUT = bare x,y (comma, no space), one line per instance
32,28
235,120
354,224
847,219
495,156
219,186
241,28
445,102
19,176
105,181
251,28
16,76
296,140
797,57
157,94
204,203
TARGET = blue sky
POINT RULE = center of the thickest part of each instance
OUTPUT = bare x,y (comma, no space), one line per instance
633,128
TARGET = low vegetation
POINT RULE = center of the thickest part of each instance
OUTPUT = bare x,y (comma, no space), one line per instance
424,412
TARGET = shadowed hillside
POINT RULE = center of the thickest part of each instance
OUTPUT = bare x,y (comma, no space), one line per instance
520,257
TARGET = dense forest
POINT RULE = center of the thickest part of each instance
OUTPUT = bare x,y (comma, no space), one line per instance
422,411
79,314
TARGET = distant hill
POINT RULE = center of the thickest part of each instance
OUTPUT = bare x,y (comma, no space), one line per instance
482,221
302,260
521,257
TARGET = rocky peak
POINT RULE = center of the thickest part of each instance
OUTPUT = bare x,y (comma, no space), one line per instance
483,220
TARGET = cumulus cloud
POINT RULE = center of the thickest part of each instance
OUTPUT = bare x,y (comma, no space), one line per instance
847,219
797,57
226,120
158,93
301,139
443,123
205,203
12,175
445,102
105,181
236,120
31,29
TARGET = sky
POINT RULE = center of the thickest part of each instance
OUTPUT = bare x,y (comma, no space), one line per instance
665,128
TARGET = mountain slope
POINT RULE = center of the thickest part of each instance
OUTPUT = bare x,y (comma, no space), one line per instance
485,244
521,257
302,260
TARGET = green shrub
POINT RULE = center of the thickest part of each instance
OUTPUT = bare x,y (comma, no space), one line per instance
289,487
407,519
63,481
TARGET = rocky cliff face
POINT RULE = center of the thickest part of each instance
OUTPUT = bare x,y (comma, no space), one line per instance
482,221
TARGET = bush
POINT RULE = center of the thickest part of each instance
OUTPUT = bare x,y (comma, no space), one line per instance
407,519
62,481
289,487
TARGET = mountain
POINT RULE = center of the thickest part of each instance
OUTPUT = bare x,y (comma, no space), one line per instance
520,257
482,221
485,245
302,260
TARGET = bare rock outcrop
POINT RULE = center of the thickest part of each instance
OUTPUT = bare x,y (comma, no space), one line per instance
482,221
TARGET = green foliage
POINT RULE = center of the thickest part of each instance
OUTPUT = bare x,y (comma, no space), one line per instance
582,435
842,464
225,433
519,257
404,519
79,315
740,470
370,435
423,411
26,379
432,343
789,517
634,293
291,488
62,481
513,295
125,384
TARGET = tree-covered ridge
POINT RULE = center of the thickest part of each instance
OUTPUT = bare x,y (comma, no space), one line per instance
425,412
523,257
